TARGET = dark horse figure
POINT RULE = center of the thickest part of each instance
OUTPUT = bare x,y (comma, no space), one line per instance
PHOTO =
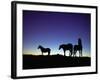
78,48
44,50
67,47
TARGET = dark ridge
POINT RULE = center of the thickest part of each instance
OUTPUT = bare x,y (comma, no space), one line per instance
54,61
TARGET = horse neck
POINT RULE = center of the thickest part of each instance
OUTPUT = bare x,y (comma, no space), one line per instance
60,47
41,47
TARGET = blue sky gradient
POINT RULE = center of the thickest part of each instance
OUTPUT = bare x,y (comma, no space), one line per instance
51,29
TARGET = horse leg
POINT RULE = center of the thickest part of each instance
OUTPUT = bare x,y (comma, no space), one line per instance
75,53
64,52
69,53
72,53
42,53
48,52
81,53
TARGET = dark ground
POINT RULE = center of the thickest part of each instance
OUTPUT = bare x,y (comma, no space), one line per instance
54,61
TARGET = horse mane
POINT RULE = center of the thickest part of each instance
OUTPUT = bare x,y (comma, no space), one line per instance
40,46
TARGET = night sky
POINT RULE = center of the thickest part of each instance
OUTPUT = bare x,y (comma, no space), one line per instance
51,29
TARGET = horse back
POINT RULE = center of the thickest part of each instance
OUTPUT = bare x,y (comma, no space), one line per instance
48,49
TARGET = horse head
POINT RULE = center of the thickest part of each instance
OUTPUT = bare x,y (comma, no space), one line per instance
39,46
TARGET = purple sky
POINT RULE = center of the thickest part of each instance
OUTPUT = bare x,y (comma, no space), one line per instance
51,29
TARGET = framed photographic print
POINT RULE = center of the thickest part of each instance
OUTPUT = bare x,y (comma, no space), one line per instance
53,39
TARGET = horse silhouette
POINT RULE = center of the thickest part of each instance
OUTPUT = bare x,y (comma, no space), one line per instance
44,50
78,48
67,47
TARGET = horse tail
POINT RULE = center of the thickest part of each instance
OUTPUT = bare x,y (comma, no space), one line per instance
75,50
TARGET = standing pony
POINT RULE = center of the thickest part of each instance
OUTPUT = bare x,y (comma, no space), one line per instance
44,50
67,47
78,48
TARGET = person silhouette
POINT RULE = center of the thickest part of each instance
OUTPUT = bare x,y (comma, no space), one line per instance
78,48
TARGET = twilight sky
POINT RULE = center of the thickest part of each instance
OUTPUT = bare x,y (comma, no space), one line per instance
51,29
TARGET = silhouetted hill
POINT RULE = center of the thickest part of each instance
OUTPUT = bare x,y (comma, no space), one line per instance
54,61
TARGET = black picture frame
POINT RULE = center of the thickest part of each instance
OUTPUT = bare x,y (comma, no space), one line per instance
14,38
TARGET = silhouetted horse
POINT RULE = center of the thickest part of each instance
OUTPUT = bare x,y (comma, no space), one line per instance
44,50
78,48
67,47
